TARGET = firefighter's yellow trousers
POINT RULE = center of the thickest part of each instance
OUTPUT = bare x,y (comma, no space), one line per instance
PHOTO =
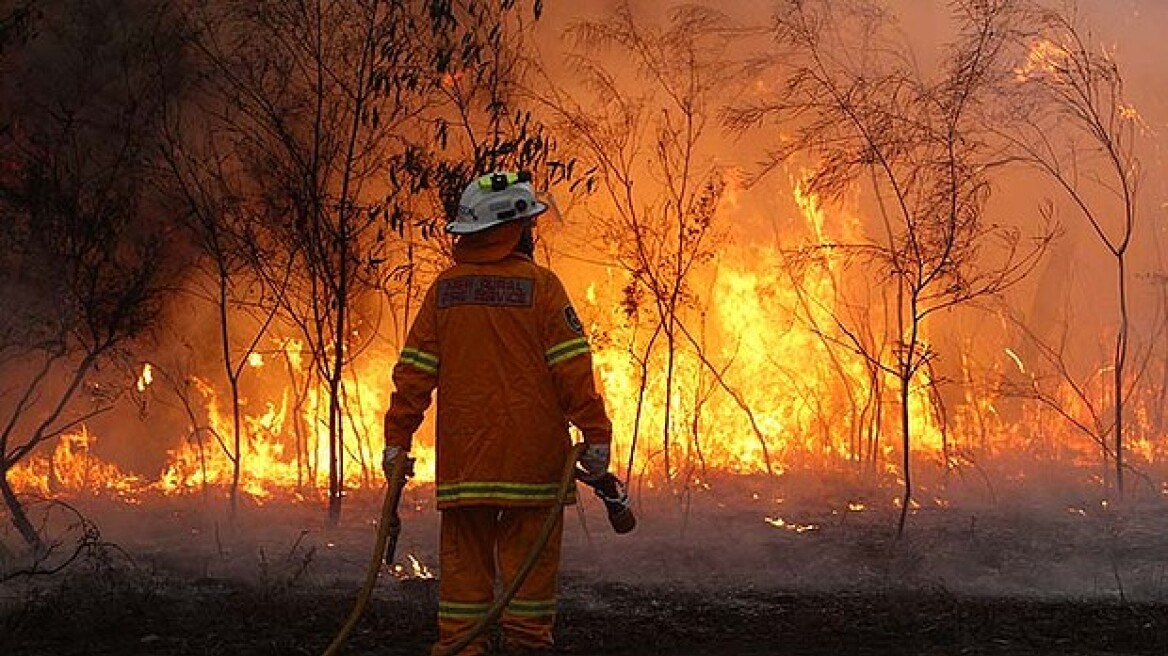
480,544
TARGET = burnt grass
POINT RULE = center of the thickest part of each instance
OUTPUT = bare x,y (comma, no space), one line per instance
748,573
102,616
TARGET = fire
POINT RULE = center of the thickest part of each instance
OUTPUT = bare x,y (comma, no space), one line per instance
275,458
416,570
768,390
779,522
145,378
763,382
1016,360
1044,58
72,467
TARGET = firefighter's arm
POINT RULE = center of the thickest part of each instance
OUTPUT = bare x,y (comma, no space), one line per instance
569,359
584,407
414,378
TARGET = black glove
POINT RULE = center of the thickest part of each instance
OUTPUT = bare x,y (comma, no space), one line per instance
594,460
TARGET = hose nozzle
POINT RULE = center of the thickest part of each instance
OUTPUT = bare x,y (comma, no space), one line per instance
400,475
612,492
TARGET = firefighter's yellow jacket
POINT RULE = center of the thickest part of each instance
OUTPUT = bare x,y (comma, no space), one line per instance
497,335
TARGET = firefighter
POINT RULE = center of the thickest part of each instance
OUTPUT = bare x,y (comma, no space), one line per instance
499,339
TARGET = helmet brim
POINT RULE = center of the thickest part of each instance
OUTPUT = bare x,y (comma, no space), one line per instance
464,229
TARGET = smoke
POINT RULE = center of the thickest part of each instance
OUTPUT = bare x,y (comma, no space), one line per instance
1071,292
745,529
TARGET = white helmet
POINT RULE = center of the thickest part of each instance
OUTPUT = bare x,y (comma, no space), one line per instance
494,199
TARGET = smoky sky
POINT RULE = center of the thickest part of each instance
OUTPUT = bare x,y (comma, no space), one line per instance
1075,283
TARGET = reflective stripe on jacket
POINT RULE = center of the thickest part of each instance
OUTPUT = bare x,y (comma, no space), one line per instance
497,335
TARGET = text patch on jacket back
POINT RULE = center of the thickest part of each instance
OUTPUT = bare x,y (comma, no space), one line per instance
485,290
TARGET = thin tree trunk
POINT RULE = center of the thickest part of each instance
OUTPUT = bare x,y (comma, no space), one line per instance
906,442
237,440
641,391
336,455
671,350
225,346
19,516
1120,365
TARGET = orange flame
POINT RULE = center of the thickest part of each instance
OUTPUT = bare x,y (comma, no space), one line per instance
759,384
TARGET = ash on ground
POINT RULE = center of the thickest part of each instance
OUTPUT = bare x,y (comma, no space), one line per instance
737,572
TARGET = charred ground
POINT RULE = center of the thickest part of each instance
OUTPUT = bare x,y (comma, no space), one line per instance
218,618
751,575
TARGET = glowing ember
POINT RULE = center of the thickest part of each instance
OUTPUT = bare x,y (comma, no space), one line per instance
145,378
416,570
1045,58
779,522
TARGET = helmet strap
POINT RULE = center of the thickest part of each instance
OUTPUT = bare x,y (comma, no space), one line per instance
526,244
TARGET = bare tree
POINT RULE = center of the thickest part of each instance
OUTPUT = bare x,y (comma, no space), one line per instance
650,117
1070,120
820,309
334,107
852,99
86,262
1053,382
217,210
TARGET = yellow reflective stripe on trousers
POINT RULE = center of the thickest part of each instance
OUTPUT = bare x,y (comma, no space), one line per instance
531,608
460,610
497,491
427,362
566,350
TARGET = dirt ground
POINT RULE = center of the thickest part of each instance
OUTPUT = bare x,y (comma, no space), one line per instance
742,572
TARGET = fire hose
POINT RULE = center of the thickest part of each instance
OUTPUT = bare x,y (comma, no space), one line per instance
387,532
607,487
